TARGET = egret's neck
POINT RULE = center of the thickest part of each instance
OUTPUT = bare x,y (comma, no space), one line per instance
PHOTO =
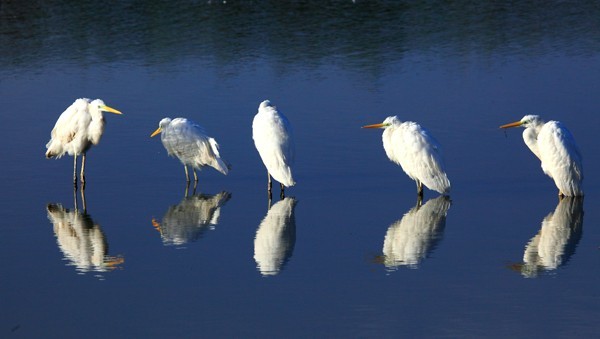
96,114
387,142
96,126
530,136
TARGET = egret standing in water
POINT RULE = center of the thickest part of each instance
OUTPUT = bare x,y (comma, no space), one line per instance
416,151
555,146
188,141
78,128
274,140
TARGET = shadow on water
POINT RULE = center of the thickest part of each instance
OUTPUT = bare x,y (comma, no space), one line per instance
414,237
81,240
276,237
361,34
188,221
556,241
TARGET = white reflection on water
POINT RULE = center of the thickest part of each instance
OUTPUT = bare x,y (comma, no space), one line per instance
276,237
556,241
409,240
81,241
187,221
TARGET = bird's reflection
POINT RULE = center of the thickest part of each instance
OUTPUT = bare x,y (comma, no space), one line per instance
276,237
411,239
187,221
81,240
556,241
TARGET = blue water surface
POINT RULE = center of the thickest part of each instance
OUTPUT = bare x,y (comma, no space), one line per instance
348,252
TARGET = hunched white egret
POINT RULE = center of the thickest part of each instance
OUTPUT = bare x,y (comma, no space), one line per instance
188,141
78,128
555,146
416,151
274,139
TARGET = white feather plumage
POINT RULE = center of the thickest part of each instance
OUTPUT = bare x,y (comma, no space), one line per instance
79,127
555,146
274,139
416,151
186,140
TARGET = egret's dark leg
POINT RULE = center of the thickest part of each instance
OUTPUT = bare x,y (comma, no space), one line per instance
419,200
269,183
420,189
195,177
282,194
83,171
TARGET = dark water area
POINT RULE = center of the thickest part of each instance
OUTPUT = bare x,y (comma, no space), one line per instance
349,252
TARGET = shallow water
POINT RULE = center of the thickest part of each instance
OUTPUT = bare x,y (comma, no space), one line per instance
347,253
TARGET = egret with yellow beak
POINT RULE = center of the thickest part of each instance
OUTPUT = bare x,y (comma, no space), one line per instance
416,151
188,141
555,146
78,128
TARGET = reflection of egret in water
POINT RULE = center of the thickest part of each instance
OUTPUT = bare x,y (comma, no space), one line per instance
556,241
276,237
187,221
410,239
81,240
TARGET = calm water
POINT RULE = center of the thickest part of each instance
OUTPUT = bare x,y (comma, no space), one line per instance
347,253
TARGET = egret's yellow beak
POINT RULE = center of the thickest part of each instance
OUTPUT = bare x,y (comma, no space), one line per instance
158,130
512,124
381,125
110,109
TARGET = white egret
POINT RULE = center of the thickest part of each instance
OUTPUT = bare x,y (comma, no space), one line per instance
188,141
274,139
416,151
555,146
78,128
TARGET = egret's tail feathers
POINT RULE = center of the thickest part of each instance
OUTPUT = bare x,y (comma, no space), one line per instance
53,154
218,163
440,184
55,150
289,183
221,166
572,190
287,180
